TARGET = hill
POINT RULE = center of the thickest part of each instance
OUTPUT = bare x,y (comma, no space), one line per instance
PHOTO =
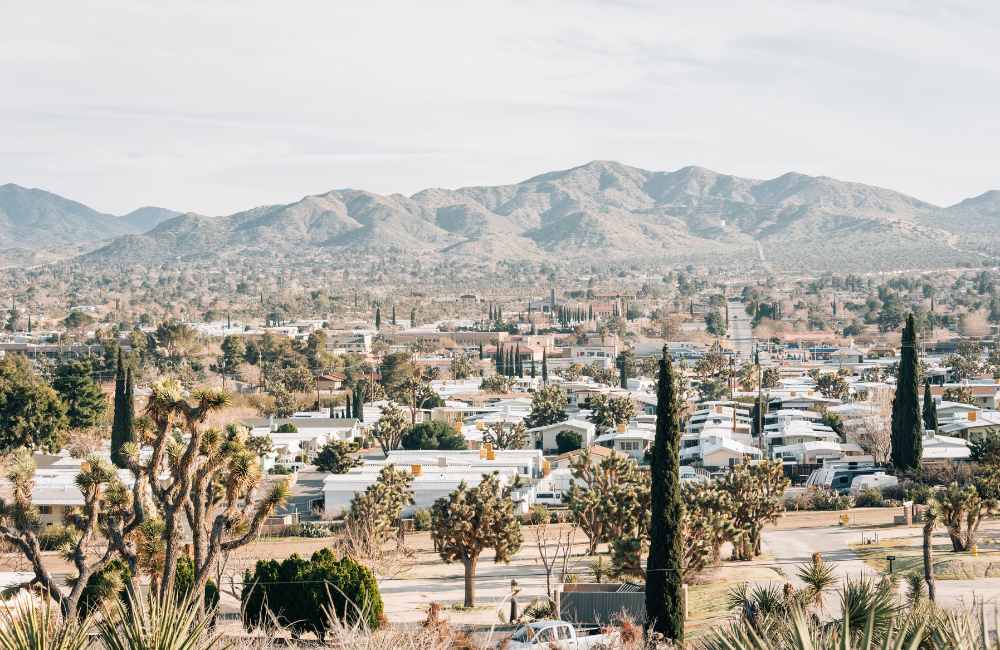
600,212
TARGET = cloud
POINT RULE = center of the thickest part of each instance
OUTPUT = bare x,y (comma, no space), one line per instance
218,106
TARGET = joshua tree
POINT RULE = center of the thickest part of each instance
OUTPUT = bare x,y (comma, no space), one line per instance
930,521
506,436
757,492
379,508
608,412
212,484
106,511
471,520
548,406
609,500
389,430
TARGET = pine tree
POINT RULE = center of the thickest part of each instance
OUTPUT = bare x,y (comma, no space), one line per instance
121,427
930,408
664,577
907,423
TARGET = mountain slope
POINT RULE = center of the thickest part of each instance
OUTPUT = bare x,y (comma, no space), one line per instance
34,219
599,212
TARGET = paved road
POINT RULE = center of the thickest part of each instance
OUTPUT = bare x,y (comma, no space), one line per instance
740,331
793,547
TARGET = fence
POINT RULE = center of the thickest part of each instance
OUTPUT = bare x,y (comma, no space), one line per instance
600,603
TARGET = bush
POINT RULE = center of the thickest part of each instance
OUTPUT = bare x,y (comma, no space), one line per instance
114,580
823,499
296,591
287,427
422,519
281,470
538,514
567,441
308,529
55,537
869,498
433,435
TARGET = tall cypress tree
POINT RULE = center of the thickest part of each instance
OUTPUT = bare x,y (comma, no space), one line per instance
394,313
664,597
907,420
480,350
622,372
545,366
930,408
359,403
533,374
348,406
121,427
378,318
518,363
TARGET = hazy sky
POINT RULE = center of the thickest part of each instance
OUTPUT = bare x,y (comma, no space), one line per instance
219,106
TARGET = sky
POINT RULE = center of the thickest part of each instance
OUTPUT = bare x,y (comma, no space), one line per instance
219,106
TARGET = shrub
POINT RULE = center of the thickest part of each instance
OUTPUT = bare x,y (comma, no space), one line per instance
433,435
869,498
281,470
114,581
823,499
55,537
309,530
567,441
422,519
287,427
538,514
298,593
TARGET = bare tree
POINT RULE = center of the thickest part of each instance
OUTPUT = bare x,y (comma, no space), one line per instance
875,431
554,547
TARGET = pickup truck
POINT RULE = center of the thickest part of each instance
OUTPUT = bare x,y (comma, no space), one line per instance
557,634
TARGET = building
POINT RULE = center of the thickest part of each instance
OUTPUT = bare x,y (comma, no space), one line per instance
544,437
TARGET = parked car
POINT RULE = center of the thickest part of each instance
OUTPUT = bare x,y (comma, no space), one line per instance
549,498
557,634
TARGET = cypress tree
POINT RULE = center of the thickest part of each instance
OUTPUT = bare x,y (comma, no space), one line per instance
664,606
481,351
393,314
930,408
907,421
413,316
533,375
545,366
359,403
378,318
121,427
622,372
518,363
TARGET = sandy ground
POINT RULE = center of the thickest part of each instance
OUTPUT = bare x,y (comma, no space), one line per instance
411,583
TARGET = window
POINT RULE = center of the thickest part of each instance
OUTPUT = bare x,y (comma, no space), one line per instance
563,632
45,510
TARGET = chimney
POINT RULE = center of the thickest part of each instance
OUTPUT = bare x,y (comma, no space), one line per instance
972,416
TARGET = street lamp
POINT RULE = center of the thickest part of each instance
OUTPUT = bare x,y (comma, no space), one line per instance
891,559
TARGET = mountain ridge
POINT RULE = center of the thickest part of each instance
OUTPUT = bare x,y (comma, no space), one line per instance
601,211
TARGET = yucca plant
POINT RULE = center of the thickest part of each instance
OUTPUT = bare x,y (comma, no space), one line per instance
801,633
33,626
819,577
153,622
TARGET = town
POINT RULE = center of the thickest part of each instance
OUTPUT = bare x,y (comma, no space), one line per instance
833,437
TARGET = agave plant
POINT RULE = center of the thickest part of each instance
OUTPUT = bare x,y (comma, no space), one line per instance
158,623
32,626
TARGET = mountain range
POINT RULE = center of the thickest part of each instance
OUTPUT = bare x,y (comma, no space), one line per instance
603,212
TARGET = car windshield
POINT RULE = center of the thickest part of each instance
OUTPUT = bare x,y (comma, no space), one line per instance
523,634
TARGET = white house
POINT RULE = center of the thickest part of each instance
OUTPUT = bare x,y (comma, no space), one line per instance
303,437
718,452
633,441
544,437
